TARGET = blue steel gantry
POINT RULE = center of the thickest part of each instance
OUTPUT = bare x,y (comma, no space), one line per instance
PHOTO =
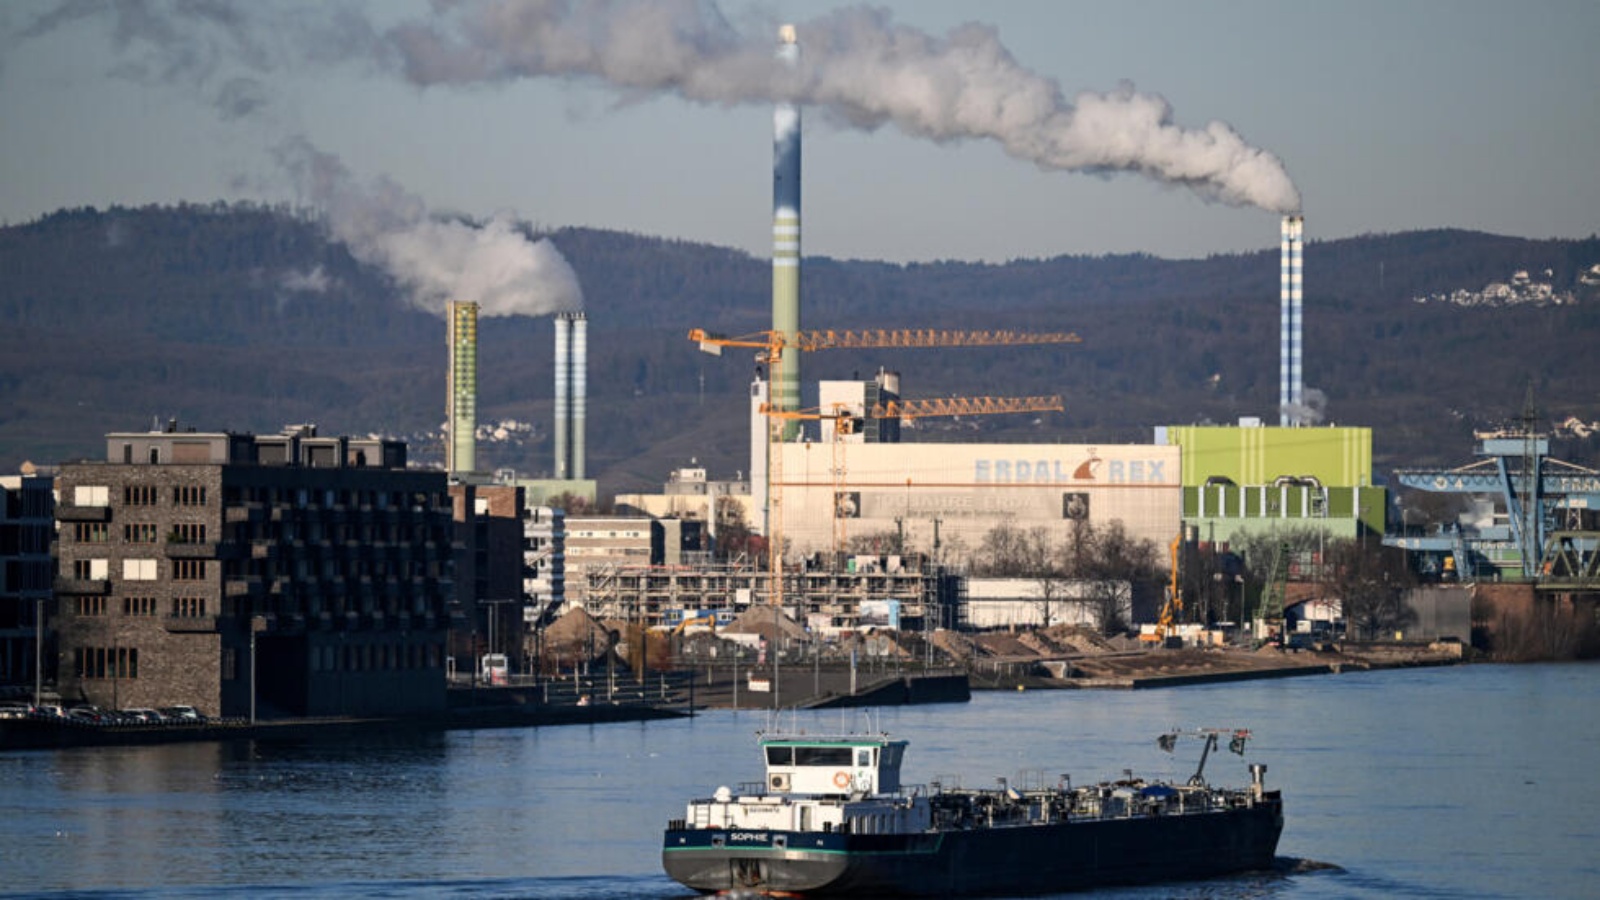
1543,501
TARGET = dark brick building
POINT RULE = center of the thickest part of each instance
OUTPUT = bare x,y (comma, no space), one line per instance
489,571
181,545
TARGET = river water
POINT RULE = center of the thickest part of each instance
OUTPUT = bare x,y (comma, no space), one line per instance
1472,781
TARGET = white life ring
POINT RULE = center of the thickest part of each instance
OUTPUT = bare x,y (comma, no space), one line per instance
841,779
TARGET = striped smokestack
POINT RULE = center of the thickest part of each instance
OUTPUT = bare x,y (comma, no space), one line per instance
786,238
563,411
1291,387
461,407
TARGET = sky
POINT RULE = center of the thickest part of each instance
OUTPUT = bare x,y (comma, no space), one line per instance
1177,129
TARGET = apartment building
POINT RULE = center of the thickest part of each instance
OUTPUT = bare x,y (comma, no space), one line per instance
290,574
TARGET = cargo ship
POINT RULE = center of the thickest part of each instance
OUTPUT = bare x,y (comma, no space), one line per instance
833,818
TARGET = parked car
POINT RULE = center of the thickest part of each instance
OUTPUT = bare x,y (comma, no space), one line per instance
51,710
139,714
182,714
15,709
87,714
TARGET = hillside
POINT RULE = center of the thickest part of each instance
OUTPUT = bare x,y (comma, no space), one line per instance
246,317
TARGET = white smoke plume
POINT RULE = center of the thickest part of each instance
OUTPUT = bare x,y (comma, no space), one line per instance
1311,411
217,48
858,67
301,281
436,260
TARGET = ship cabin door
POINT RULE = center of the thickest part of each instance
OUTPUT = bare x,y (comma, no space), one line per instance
805,818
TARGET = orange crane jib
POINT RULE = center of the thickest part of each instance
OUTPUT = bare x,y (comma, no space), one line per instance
882,337
918,409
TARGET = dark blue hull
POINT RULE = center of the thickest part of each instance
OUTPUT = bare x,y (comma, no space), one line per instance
1021,859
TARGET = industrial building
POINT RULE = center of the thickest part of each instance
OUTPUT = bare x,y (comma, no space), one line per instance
195,566
942,498
1534,516
1257,479
690,493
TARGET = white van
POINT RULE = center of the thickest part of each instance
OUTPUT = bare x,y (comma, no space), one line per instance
495,669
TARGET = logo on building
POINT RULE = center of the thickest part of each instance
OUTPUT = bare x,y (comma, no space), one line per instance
847,505
1086,470
1075,506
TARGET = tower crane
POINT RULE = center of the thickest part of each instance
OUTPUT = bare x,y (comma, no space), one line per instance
771,345
845,422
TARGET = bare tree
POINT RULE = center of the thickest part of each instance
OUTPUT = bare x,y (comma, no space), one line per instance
734,536
1095,566
886,539
1110,561
1010,552
1370,583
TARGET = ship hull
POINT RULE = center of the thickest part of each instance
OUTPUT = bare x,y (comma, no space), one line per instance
1021,859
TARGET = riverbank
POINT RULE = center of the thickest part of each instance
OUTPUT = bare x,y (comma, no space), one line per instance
43,732
817,686
1155,668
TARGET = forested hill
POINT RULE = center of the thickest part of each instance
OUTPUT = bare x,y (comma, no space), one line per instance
245,317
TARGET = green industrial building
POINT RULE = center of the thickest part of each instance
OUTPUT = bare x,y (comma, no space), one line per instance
1253,479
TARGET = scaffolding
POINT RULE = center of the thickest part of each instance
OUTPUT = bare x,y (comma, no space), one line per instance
820,594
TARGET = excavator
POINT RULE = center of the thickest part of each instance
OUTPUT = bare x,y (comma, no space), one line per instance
1174,604
710,618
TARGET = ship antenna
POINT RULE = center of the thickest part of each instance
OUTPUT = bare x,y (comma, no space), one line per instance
1198,779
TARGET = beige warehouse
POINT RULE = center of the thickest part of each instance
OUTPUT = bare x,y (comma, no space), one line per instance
969,489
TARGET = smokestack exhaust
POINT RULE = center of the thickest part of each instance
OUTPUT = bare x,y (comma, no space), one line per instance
786,238
461,407
1291,386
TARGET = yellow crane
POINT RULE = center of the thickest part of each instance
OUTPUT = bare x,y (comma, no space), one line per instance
772,344
846,423
1173,608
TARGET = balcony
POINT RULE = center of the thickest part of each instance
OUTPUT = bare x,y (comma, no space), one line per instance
83,513
192,550
190,624
71,586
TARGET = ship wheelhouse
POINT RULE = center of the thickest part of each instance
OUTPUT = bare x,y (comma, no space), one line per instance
856,765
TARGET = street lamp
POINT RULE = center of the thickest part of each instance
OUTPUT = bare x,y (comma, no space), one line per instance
257,624
38,652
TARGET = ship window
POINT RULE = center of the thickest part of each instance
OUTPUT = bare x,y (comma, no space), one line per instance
780,756
863,757
822,756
